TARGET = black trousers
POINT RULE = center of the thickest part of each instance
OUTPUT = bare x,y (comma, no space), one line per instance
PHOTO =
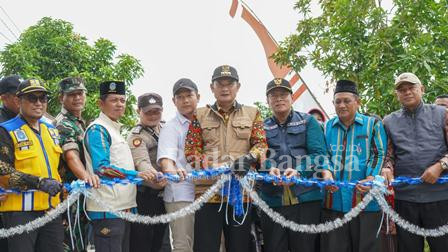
47,238
148,238
277,238
111,235
358,235
426,215
209,224
4,241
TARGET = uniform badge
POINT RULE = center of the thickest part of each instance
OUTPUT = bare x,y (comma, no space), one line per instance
112,86
20,135
225,70
277,81
105,231
137,142
137,129
152,101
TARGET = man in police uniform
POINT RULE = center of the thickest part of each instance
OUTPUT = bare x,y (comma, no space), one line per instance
8,89
293,137
143,142
29,154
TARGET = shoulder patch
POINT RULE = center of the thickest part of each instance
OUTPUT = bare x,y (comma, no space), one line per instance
137,129
137,142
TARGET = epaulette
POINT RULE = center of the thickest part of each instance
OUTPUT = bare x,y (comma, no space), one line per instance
137,129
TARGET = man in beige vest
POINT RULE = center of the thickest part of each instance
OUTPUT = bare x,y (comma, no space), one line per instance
225,132
108,155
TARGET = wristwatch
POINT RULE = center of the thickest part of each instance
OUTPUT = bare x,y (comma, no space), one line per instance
444,165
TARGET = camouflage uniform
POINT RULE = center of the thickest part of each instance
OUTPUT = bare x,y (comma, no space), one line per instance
71,132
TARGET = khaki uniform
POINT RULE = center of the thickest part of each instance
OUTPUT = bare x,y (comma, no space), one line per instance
143,143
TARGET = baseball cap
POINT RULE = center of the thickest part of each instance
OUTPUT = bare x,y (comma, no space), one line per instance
407,78
184,83
225,71
71,84
278,83
9,84
29,86
149,101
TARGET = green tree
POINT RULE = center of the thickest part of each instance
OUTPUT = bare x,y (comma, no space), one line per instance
264,109
51,51
362,41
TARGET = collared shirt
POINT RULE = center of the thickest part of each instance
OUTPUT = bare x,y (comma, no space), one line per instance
98,141
71,132
355,153
171,146
194,146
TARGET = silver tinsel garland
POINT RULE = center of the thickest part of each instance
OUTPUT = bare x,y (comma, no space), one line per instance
308,228
41,221
375,193
165,218
436,232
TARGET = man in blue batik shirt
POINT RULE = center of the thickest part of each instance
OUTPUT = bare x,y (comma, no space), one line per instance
296,147
357,145
109,156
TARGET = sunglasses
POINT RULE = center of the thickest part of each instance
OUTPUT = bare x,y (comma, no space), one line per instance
33,98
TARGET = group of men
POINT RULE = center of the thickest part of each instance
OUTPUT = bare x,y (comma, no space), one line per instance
37,156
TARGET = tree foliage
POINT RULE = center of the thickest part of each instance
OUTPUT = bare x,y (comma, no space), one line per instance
51,51
264,109
369,44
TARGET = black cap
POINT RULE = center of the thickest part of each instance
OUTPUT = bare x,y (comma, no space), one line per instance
184,83
225,71
29,86
346,86
112,87
71,84
149,101
9,84
278,83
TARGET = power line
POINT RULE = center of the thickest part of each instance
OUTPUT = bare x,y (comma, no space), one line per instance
9,29
10,19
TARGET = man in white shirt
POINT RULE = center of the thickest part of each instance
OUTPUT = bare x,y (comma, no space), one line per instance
171,157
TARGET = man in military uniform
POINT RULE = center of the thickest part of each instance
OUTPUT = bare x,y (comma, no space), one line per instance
29,157
71,126
143,142
9,110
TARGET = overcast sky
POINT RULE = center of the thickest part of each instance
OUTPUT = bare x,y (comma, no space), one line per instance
176,39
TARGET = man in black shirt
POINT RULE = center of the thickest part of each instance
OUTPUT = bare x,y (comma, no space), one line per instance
9,110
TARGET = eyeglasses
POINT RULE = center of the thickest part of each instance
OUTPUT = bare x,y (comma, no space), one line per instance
33,98
276,96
